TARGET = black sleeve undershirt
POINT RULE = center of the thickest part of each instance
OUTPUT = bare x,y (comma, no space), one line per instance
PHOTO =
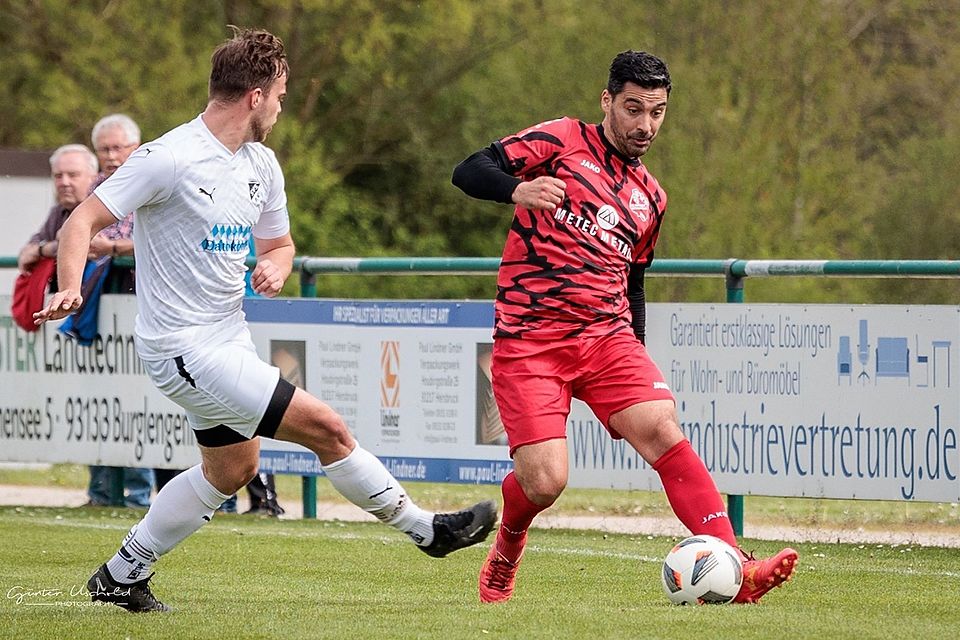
638,301
485,175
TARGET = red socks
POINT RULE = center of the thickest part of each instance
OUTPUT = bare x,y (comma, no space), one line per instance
686,481
692,493
518,513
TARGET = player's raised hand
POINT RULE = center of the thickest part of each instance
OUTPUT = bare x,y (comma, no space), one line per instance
545,192
267,278
62,304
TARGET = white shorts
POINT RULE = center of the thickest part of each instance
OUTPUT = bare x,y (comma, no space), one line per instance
229,393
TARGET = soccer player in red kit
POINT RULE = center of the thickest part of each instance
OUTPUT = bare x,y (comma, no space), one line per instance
570,314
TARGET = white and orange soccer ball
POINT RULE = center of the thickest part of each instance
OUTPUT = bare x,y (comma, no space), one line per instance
702,570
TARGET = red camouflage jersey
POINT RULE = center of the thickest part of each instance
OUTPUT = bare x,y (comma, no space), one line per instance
564,272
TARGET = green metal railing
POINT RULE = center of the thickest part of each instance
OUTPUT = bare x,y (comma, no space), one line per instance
713,267
737,268
734,271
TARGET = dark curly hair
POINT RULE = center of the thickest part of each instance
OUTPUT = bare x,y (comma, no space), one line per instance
639,67
252,59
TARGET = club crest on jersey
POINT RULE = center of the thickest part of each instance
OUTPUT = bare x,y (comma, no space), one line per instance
256,191
227,238
607,217
639,204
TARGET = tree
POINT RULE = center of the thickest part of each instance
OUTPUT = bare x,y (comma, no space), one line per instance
817,128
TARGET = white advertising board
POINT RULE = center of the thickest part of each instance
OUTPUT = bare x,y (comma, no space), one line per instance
408,378
60,402
791,400
795,400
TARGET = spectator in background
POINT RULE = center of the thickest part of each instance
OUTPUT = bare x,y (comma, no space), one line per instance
114,138
74,171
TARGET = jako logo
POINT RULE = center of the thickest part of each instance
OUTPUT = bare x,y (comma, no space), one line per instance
607,217
390,374
661,385
713,516
590,165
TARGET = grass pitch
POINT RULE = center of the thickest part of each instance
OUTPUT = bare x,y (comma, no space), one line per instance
244,577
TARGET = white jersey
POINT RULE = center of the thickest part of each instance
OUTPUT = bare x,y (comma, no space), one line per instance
196,205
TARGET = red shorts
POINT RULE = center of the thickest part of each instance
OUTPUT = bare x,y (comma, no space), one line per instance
534,381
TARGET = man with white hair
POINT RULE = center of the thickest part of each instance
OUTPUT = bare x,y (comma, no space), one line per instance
73,168
114,138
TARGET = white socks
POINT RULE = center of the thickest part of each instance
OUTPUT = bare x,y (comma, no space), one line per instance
188,501
185,504
363,480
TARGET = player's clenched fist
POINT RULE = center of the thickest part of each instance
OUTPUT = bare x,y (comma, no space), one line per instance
545,192
267,279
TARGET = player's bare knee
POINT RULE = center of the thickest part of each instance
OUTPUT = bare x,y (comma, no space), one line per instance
659,431
545,487
650,428
231,479
666,431
248,472
544,495
332,438
240,475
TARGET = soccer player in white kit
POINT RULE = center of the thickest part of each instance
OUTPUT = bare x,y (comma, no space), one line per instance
199,192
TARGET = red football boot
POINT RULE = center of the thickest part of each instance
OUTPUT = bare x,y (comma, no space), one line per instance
760,576
498,574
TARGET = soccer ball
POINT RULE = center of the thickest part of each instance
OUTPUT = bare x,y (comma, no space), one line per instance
702,570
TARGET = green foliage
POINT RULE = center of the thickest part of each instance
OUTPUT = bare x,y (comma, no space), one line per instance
808,129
